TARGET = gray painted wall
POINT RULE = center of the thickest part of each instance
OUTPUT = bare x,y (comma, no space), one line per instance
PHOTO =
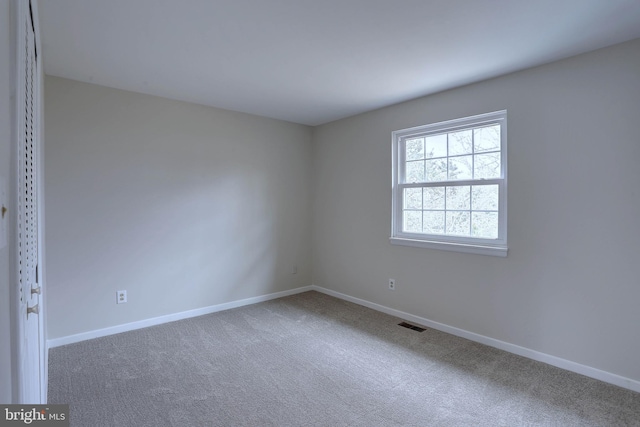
6,65
183,206
570,285
187,206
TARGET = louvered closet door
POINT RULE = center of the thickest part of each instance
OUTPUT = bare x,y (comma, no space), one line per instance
27,225
27,208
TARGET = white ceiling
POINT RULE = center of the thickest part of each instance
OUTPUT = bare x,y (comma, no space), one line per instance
314,61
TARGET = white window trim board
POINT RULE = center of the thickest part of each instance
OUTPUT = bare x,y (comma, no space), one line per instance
451,246
494,247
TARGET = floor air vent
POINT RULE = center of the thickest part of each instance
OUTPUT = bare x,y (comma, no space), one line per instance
412,327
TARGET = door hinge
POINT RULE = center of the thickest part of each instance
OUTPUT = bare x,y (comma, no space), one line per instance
32,310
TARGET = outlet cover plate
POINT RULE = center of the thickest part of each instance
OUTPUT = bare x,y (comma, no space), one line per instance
121,297
5,214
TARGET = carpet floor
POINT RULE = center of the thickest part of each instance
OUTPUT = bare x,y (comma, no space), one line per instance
314,360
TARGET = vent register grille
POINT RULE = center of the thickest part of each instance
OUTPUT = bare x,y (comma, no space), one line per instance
412,327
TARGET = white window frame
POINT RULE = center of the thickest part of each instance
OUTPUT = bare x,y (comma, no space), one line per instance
495,247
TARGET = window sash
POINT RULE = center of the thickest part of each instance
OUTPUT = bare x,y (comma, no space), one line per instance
400,139
399,217
472,125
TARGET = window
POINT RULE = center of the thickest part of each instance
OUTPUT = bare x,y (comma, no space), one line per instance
450,185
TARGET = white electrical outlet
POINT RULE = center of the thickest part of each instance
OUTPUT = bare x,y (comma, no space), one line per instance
4,208
392,284
294,269
121,297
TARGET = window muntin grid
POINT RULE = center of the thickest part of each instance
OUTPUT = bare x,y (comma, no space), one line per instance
460,164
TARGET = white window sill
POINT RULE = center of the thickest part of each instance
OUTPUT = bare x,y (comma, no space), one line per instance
500,251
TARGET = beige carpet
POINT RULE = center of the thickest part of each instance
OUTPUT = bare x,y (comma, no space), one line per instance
313,360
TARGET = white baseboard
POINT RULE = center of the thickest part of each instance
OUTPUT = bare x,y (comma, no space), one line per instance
56,342
568,365
511,348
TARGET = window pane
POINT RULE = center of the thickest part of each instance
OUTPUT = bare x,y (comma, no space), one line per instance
414,149
449,184
433,222
460,167
415,171
458,223
486,166
485,225
460,142
413,198
458,198
486,139
434,198
436,170
484,197
436,146
412,222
